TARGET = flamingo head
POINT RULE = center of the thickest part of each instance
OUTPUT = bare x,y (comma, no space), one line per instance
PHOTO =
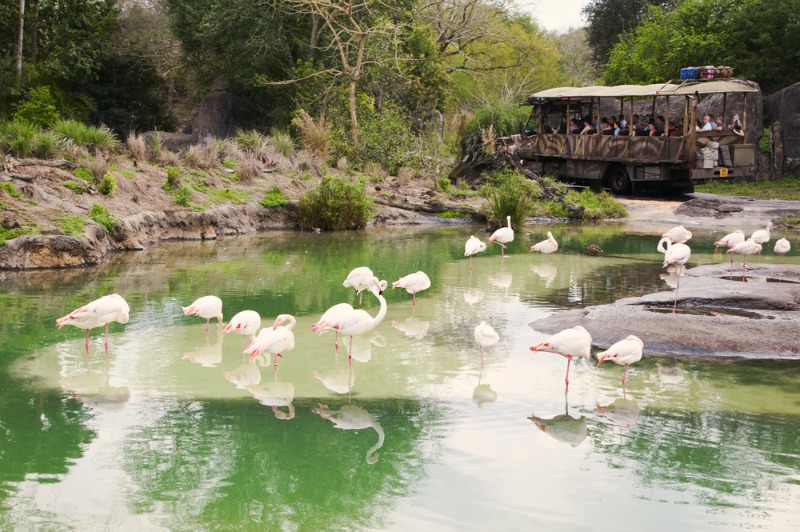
540,347
284,317
604,356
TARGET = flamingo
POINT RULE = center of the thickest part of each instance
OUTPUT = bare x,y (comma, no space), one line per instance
678,235
329,318
413,283
546,246
676,254
99,312
206,307
276,340
474,245
351,417
782,247
762,236
359,279
748,247
730,240
568,343
624,352
486,336
246,323
358,321
503,236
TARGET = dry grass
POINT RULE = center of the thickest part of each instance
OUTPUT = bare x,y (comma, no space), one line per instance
198,156
99,166
488,137
376,170
137,148
249,168
343,165
169,158
404,175
314,134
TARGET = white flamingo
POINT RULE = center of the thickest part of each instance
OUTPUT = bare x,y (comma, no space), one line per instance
359,279
351,417
546,246
782,247
676,254
503,236
678,235
275,340
728,241
413,283
247,323
331,317
206,307
624,352
474,245
358,321
748,247
762,236
574,342
99,312
486,337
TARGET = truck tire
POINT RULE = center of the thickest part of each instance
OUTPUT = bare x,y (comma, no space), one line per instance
618,180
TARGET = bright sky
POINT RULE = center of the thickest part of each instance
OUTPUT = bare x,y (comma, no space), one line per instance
555,15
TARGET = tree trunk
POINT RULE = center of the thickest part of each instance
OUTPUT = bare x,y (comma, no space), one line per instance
353,115
19,40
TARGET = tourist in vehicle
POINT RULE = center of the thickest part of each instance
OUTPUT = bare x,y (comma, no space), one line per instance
644,128
736,125
605,127
658,127
636,125
588,127
574,126
706,124
562,127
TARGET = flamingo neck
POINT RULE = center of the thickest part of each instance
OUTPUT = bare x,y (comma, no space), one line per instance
372,454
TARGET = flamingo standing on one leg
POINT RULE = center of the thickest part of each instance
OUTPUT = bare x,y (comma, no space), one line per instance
676,254
546,246
329,319
276,340
99,312
473,246
206,307
678,235
358,321
246,323
568,343
761,236
413,283
782,247
486,336
730,240
503,236
748,247
359,279
624,352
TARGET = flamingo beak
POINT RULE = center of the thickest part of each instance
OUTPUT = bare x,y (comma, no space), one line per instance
601,359
253,355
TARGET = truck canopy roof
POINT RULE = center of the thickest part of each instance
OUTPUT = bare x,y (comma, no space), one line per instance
642,91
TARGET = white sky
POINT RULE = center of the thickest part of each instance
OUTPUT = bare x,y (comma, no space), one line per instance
555,15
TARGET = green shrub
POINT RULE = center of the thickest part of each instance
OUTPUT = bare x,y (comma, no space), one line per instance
221,195
154,142
39,108
274,198
86,136
107,184
335,205
84,174
283,141
249,140
182,196
11,190
509,194
596,206
76,187
505,118
173,177
45,144
71,225
443,183
17,137
451,215
8,234
765,141
103,216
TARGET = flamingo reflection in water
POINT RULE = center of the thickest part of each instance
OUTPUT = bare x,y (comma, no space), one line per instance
351,417
412,327
246,374
207,355
563,428
482,393
670,374
361,348
276,395
623,412
338,381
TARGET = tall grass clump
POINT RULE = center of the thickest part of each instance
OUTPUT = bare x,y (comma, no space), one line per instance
136,146
17,137
248,168
103,216
314,134
173,178
336,205
155,143
46,144
92,138
198,156
283,142
509,194
249,140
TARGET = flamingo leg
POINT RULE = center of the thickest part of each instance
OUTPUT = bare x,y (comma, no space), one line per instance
731,270
414,300
744,268
624,374
481,357
360,297
566,379
336,342
470,262
350,354
677,286
87,340
208,320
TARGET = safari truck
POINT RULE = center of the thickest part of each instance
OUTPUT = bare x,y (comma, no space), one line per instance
623,160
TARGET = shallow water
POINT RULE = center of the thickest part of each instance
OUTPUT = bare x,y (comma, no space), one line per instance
177,431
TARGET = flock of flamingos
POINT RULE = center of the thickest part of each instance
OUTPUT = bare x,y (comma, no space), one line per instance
347,320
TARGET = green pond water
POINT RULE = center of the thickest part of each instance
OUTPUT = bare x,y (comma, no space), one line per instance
176,430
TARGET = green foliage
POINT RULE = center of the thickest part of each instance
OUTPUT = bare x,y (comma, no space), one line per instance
83,173
182,196
450,215
336,205
75,186
103,216
596,206
786,188
249,140
509,194
39,108
221,195
504,116
8,234
71,225
86,136
230,163
274,198
765,141
443,184
107,184
283,141
173,178
10,189
17,137
45,144
154,142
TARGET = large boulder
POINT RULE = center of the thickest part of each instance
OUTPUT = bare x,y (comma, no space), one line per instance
782,113
219,114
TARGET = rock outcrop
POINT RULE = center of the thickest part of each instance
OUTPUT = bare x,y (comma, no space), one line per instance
782,113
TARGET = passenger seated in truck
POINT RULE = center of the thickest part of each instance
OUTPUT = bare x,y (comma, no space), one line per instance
658,128
574,126
644,128
706,124
736,125
605,127
588,127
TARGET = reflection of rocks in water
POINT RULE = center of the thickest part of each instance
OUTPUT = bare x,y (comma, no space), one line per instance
473,296
483,394
412,327
208,355
362,346
340,381
623,412
547,272
671,374
563,428
351,417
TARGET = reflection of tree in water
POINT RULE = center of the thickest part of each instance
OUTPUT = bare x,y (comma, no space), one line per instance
608,284
222,464
719,454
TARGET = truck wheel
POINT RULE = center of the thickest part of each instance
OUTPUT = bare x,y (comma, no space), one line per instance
618,181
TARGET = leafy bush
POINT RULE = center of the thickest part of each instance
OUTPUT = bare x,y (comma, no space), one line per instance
504,117
336,205
39,108
173,178
182,196
11,190
509,194
274,198
765,141
71,225
83,173
107,184
103,216
235,196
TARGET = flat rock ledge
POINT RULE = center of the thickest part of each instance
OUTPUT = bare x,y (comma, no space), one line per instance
718,316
